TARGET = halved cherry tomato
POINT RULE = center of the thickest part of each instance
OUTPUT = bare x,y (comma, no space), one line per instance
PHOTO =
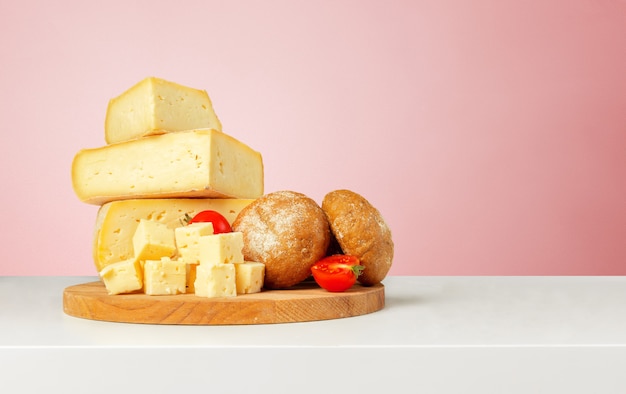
338,272
220,223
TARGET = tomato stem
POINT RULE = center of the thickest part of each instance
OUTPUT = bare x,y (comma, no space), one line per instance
186,219
357,270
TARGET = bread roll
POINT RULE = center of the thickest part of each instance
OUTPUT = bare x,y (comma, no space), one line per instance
360,230
288,232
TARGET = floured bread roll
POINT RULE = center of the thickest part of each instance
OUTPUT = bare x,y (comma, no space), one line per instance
288,232
360,230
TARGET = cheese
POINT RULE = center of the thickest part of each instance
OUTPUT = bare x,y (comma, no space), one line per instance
196,163
221,248
249,277
122,277
157,106
117,221
187,240
191,277
217,280
153,240
164,277
187,244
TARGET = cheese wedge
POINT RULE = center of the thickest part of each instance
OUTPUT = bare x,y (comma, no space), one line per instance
197,163
117,221
157,106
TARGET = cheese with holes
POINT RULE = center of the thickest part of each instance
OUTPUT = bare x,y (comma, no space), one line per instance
117,221
197,163
188,240
224,248
156,106
122,277
217,280
187,244
153,240
164,277
249,277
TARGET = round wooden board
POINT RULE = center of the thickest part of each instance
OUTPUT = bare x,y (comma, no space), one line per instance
305,302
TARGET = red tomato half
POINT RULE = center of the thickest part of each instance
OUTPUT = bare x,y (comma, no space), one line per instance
220,224
338,272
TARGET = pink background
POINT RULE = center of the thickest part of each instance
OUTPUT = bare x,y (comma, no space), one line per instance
491,134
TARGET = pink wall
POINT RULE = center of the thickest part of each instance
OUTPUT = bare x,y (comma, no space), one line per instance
491,134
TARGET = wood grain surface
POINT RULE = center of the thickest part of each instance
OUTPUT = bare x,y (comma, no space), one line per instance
305,302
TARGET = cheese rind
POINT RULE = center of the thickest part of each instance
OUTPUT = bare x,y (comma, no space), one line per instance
156,106
191,277
196,163
249,277
117,221
224,248
217,280
164,277
122,277
153,240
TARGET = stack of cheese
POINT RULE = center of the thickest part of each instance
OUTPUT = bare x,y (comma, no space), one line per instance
167,158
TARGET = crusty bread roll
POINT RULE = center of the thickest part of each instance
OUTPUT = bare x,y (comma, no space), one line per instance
360,231
288,232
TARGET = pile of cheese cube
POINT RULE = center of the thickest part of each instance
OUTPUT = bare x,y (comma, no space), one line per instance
188,259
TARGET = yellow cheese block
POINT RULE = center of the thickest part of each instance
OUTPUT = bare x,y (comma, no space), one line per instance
217,280
122,277
196,163
188,238
187,243
164,277
117,222
157,106
250,276
224,248
153,240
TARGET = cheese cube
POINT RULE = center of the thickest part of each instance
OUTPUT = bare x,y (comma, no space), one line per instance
216,281
164,277
187,243
122,277
157,106
249,277
187,164
221,248
117,221
153,240
187,240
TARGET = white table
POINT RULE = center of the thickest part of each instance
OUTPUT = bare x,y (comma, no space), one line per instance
435,335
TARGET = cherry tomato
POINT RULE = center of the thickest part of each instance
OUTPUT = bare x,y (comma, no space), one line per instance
338,272
220,224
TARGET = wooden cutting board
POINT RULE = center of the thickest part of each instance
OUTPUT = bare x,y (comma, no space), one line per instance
305,302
